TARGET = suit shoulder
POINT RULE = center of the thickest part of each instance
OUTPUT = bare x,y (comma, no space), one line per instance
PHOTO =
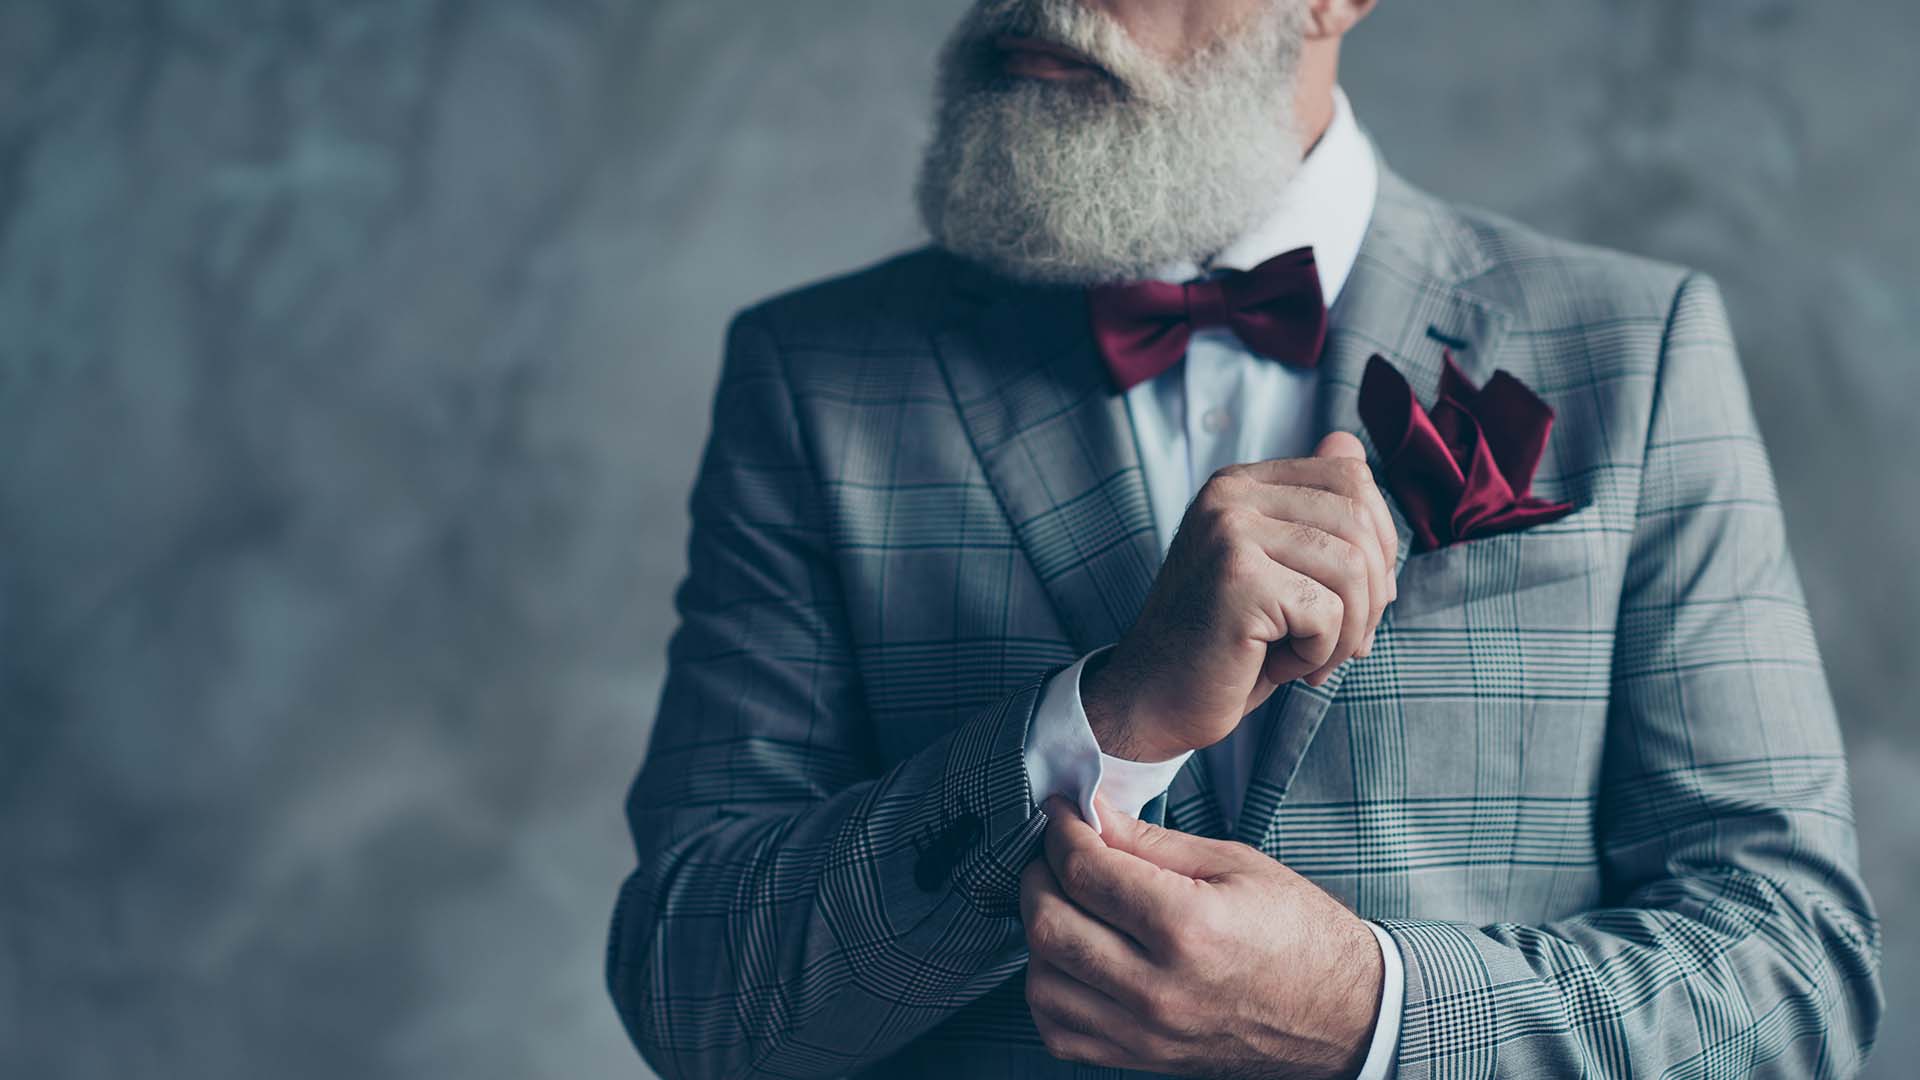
888,305
1553,280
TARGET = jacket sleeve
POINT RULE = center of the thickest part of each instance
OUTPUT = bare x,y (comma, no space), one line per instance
796,910
1738,940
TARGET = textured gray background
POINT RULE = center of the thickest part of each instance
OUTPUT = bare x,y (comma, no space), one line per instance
354,358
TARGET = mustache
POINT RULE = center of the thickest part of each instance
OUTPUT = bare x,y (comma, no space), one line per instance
1041,19
975,51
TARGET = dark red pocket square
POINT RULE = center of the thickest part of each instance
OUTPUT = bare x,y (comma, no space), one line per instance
1463,470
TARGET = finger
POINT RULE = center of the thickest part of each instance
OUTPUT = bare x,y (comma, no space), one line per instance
1058,997
1336,565
1191,856
1121,890
1329,473
1378,549
1338,515
1300,612
1063,935
1348,475
1376,505
1309,616
1035,881
1341,444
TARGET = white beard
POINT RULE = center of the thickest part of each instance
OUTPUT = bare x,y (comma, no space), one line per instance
1089,182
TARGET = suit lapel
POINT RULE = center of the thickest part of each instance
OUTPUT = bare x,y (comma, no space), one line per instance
1404,300
1056,445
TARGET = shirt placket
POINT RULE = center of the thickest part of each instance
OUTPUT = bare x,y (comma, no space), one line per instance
1213,422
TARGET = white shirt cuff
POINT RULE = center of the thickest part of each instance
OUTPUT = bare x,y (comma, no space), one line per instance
1386,1028
1063,758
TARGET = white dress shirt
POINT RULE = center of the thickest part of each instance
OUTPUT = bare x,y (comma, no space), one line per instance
1224,405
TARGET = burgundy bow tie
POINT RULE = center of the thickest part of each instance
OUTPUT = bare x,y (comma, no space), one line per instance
1275,309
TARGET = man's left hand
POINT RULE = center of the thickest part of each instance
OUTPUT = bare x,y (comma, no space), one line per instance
1157,950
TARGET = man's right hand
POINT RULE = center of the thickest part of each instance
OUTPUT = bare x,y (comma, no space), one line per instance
1279,571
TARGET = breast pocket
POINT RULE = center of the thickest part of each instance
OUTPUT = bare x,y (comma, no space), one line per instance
1550,576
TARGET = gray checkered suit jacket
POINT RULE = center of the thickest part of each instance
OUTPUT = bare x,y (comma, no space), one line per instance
1589,777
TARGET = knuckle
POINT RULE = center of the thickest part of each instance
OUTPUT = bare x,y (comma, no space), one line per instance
1310,597
1224,488
1166,932
1159,1006
1173,941
1074,954
1354,516
1202,937
1167,1046
1077,871
1053,941
1135,997
1244,851
1145,1002
1167,1015
1312,539
1232,522
1229,472
1353,562
1044,932
1205,499
1240,567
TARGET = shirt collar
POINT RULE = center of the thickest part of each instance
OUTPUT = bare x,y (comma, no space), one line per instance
1328,205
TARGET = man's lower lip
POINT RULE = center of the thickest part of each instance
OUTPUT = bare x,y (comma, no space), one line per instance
1031,58
1026,64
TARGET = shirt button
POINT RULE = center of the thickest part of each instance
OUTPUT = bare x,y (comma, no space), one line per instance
1215,421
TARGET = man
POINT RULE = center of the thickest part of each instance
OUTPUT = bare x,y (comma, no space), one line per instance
1417,578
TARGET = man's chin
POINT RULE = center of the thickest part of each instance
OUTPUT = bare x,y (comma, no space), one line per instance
1028,263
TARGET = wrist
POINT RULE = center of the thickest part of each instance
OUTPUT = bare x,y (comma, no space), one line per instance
1108,697
1363,1001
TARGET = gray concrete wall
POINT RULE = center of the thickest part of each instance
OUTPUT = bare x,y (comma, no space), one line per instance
354,358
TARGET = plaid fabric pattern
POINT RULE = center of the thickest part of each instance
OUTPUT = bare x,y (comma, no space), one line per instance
1589,778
